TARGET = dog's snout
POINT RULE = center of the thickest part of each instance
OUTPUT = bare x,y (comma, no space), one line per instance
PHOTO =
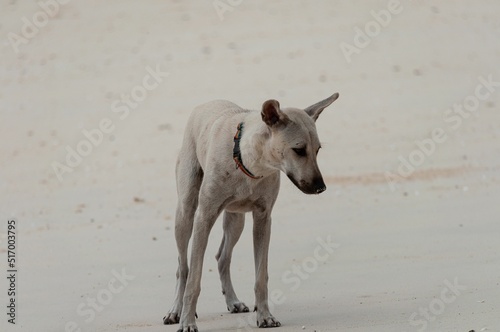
319,185
316,186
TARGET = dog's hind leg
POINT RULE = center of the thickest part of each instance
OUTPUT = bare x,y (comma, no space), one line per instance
209,208
189,176
233,226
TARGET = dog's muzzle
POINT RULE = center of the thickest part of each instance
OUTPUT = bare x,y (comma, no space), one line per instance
317,186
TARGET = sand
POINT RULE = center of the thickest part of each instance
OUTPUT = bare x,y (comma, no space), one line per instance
412,205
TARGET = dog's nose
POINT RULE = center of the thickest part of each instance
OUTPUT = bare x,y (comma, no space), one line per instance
319,185
320,190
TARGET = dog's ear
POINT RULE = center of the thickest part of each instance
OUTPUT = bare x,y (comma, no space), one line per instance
315,110
272,114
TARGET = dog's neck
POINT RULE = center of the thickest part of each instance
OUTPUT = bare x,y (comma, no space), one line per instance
255,149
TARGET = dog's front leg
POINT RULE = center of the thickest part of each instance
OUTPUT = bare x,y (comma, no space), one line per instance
204,219
261,238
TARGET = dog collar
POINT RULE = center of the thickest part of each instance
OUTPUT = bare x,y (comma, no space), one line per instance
237,153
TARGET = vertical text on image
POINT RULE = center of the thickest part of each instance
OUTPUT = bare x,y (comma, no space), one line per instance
11,271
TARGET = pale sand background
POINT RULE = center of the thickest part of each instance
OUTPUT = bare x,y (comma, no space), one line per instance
396,248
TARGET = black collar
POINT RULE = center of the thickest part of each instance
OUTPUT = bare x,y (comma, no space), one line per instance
237,153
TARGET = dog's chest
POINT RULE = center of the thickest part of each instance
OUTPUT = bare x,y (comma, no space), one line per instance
244,205
247,201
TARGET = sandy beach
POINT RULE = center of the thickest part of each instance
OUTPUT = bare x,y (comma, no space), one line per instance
94,98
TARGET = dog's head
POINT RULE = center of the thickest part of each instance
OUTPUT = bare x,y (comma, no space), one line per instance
295,144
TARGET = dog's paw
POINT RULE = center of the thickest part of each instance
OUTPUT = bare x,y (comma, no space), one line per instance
238,307
174,318
189,328
268,321
171,318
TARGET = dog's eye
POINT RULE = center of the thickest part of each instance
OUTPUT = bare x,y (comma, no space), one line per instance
300,151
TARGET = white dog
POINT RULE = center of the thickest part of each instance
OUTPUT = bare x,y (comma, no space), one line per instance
230,161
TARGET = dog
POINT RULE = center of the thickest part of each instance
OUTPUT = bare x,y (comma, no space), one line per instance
230,161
